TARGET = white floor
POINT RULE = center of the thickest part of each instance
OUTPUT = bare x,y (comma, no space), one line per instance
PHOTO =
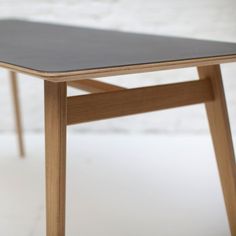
118,185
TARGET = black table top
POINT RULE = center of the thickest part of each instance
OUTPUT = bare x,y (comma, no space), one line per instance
54,48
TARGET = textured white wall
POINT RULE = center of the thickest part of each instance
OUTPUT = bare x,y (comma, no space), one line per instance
209,19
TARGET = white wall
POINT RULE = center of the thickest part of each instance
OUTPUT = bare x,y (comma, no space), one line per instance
209,19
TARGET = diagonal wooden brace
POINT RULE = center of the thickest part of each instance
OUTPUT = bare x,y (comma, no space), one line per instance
94,86
100,106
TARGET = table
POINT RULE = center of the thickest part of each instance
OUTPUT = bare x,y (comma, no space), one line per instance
65,55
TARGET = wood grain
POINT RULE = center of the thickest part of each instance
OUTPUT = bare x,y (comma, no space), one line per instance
222,140
55,140
94,86
133,101
18,121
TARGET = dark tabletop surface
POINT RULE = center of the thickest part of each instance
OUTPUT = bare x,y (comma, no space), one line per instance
55,48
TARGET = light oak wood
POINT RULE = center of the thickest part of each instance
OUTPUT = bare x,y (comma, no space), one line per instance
55,140
17,111
94,86
93,107
87,85
222,140
119,70
110,53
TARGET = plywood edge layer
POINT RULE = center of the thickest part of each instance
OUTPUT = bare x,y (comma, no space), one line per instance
118,70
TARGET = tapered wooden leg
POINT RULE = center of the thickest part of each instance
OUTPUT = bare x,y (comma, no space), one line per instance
17,113
55,133
222,140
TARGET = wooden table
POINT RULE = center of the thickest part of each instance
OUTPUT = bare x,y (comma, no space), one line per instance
64,55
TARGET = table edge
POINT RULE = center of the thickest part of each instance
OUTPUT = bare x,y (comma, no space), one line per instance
118,70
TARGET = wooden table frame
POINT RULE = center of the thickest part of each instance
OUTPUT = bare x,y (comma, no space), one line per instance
73,56
108,101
